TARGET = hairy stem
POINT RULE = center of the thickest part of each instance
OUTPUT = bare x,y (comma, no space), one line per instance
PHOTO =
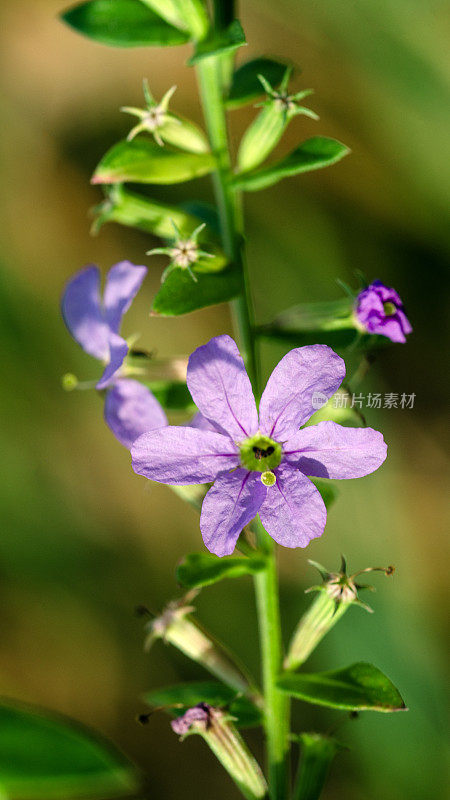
210,74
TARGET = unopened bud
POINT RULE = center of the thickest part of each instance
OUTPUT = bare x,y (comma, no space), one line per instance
217,729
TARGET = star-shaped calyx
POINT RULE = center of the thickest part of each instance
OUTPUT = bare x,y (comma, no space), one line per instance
154,116
183,253
343,588
283,100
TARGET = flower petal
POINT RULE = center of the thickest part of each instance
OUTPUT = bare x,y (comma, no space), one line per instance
118,349
328,450
221,389
122,284
293,512
81,310
302,375
230,504
177,455
201,423
131,410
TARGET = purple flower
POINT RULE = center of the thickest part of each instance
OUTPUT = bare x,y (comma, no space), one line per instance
94,322
379,309
198,715
259,463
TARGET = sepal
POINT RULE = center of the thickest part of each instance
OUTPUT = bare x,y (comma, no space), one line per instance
218,730
317,755
176,626
335,596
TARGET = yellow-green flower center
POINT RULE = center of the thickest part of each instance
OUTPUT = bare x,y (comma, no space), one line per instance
389,309
260,454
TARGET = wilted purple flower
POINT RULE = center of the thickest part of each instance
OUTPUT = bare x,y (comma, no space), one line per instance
259,464
197,714
379,309
94,322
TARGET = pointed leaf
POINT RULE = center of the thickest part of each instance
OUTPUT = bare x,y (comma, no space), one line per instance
44,756
122,23
186,695
315,153
143,161
246,85
358,687
203,569
148,215
179,294
219,43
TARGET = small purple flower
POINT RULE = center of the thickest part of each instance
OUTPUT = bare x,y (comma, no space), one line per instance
379,309
94,322
198,715
259,463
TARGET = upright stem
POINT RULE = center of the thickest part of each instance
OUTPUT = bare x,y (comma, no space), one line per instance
209,77
276,702
210,74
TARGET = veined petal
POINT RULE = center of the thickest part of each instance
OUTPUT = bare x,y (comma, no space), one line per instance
329,450
118,349
131,410
122,284
201,423
230,504
177,455
301,376
221,389
81,310
293,512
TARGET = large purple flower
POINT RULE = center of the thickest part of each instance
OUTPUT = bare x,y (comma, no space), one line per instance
379,309
259,463
94,322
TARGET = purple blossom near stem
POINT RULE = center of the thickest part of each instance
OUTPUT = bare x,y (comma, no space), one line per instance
379,309
94,322
259,463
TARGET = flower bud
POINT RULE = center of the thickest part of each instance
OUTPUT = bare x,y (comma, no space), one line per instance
338,592
217,729
175,626
264,133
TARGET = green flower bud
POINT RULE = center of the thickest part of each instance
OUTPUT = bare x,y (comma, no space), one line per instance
338,592
217,729
264,133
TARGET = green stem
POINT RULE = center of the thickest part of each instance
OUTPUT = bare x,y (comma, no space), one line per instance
276,702
209,72
210,82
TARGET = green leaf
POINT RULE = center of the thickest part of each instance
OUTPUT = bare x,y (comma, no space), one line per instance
327,490
219,42
48,756
359,687
317,755
172,395
143,161
148,215
203,569
122,23
186,695
315,153
180,295
246,85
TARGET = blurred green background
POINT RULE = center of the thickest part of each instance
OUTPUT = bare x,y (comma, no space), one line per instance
83,539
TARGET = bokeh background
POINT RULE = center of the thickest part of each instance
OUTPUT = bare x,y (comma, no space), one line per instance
83,539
